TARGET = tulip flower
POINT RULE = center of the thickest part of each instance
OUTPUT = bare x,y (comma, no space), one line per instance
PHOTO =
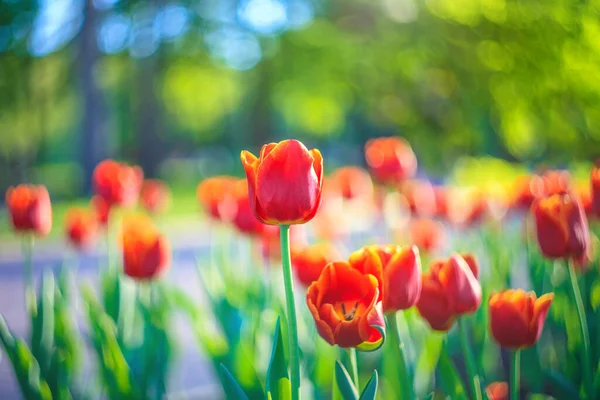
497,391
284,183
517,317
398,270
562,228
352,183
427,234
146,253
309,261
155,196
556,182
390,159
595,191
244,219
525,190
420,196
30,209
441,201
117,183
81,227
465,206
450,289
101,209
345,306
214,195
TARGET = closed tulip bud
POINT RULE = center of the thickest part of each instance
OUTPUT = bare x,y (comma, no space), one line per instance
82,227
517,317
117,183
390,159
352,183
450,289
562,227
284,183
595,191
155,196
309,261
30,209
497,391
398,270
345,306
214,195
427,234
146,253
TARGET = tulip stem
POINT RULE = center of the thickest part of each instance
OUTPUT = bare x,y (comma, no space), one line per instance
587,375
27,248
396,343
469,359
353,367
515,374
286,263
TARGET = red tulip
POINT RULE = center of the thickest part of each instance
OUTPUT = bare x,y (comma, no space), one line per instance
30,209
244,219
497,391
101,209
390,159
465,206
284,183
595,191
352,182
427,234
146,253
517,318
82,227
398,270
450,289
344,304
309,261
562,228
420,197
155,196
117,183
556,182
214,195
525,190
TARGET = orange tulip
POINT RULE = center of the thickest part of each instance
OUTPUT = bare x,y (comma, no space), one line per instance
398,270
213,193
117,183
101,209
450,289
309,261
556,182
82,226
420,197
562,228
390,159
146,253
441,203
595,191
427,234
155,196
352,182
497,391
525,190
30,209
517,318
244,219
284,183
346,308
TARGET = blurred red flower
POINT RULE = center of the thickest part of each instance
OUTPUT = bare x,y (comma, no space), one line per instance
390,159
398,270
308,262
214,195
562,227
595,191
30,209
117,183
497,391
450,289
517,318
525,190
146,253
81,227
427,234
284,183
351,183
345,306
420,197
101,209
155,196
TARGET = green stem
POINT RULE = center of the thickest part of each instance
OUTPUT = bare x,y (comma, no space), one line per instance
515,374
469,359
396,342
27,248
353,367
585,356
286,264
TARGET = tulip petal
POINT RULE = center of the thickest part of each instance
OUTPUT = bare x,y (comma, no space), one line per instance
376,322
402,282
507,324
540,311
250,163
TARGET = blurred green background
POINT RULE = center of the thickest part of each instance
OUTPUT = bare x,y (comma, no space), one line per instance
179,87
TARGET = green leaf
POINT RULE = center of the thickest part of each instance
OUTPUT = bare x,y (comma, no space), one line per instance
370,390
344,382
562,385
279,386
42,329
430,396
451,382
595,295
232,388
